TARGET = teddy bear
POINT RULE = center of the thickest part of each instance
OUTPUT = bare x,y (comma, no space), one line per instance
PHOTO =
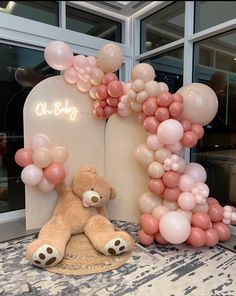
80,209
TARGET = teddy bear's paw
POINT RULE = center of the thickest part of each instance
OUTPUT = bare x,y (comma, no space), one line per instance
46,256
116,246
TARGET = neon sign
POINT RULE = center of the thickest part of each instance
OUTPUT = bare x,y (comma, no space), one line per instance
57,108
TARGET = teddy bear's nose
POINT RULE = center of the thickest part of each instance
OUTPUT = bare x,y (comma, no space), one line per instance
94,199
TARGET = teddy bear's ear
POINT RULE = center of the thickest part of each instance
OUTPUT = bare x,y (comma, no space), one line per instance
112,193
88,169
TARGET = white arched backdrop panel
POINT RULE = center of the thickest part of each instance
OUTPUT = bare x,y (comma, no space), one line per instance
69,123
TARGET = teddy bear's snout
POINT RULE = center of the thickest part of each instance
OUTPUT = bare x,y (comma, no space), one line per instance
91,198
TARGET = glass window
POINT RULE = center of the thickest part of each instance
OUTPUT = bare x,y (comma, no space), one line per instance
91,24
169,68
41,11
211,13
20,70
163,27
216,151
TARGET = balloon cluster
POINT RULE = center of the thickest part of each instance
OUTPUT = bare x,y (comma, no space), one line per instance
42,164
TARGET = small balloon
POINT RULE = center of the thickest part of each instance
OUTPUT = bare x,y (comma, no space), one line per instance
197,237
144,72
42,157
23,157
156,186
41,141
144,155
202,220
55,173
45,186
222,230
109,58
212,237
70,75
159,211
59,154
144,238
148,201
149,223
31,175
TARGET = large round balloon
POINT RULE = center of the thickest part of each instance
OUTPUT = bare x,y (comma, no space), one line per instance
143,71
200,103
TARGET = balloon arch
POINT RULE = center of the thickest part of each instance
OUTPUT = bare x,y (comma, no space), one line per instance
177,208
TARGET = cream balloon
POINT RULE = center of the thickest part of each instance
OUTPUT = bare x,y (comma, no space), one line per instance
152,88
161,154
187,214
148,201
144,155
159,211
143,71
155,170
170,205
59,154
42,157
200,103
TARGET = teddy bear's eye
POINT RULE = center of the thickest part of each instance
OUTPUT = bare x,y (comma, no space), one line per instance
92,189
101,196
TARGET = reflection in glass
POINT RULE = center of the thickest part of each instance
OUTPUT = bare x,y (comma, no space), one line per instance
91,24
41,11
20,70
169,68
217,150
211,13
163,27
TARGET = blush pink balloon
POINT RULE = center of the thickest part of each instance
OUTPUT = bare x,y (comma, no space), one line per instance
175,148
163,87
109,58
186,201
150,124
150,106
149,223
98,112
80,62
171,179
70,75
113,102
170,131
152,88
41,141
115,89
212,237
171,194
156,186
160,239
58,55
23,157
143,71
153,142
186,183
83,86
55,173
141,117
144,155
155,170
31,175
144,238
197,237
148,201
59,154
215,212
196,171
174,227
212,200
198,130
123,110
201,220
108,111
101,92
189,139
164,99
222,230
162,113
45,186
42,157
91,61
108,77
175,109
96,76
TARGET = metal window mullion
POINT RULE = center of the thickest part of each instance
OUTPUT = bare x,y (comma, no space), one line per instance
62,14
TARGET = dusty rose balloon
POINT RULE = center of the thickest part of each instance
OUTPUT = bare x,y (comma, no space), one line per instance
70,75
198,130
162,113
141,117
197,237
149,223
144,238
108,77
96,76
164,99
109,58
98,112
144,155
170,131
55,173
148,201
41,141
59,154
196,171
187,214
150,106
159,211
42,157
189,139
143,71
200,103
186,201
175,109
31,175
171,179
171,194
101,92
115,89
177,97
161,154
152,88
160,239
150,124
171,205
23,157
186,183
113,102
138,85
174,227
212,237
58,55
108,111
186,125
45,186
202,220
212,200
156,186
163,87
155,170
222,230
215,212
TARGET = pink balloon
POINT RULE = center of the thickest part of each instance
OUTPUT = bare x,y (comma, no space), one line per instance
145,239
175,148
115,89
189,139
59,154
70,75
100,103
91,61
170,131
177,97
164,99
108,111
171,179
197,237
113,102
148,201
149,223
212,237
212,200
108,77
162,113
160,239
152,88
141,117
150,124
98,112
31,175
101,92
186,125
155,170
96,76
171,194
144,155
55,173
150,106
186,183
42,157
202,220
198,130
138,85
58,55
80,62
23,157
174,227
143,71
83,86
45,186
40,141
175,109
156,186
222,230
123,110
196,171
153,142
186,201
215,212
109,58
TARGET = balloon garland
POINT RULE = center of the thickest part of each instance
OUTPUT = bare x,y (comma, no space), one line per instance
177,207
